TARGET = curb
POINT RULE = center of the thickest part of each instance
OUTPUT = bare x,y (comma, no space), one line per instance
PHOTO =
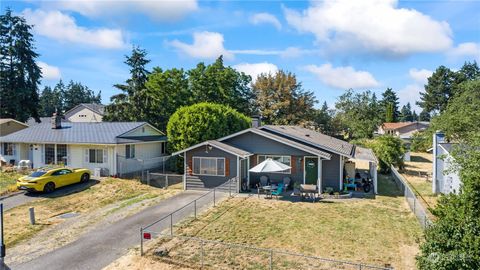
11,195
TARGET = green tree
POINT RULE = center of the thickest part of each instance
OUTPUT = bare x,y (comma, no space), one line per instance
323,120
389,151
406,113
414,116
19,73
220,84
133,101
169,91
282,100
51,100
203,121
389,106
424,116
359,114
76,93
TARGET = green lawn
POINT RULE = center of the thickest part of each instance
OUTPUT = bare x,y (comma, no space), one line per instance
374,231
7,181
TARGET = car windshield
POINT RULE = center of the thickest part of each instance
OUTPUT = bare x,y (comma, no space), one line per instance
37,174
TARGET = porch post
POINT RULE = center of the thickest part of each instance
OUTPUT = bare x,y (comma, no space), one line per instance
375,180
248,173
319,174
341,172
239,184
55,154
185,170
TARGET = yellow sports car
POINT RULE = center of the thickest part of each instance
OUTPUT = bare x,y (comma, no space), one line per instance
47,180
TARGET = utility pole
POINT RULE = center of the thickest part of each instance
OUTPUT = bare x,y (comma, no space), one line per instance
2,244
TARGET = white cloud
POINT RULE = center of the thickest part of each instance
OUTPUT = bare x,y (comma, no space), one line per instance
62,27
49,72
206,45
256,69
420,76
260,18
377,26
467,49
343,77
159,10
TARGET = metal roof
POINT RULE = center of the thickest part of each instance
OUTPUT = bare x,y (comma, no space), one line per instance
313,138
73,133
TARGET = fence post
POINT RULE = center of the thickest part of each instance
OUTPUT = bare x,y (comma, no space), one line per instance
171,225
141,241
214,197
271,259
195,208
166,180
230,188
32,215
148,178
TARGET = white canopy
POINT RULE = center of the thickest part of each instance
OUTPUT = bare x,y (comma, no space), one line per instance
270,165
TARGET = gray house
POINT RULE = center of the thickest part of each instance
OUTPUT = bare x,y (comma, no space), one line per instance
314,158
445,178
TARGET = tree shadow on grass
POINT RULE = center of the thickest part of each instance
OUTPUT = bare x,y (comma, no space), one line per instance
66,190
388,187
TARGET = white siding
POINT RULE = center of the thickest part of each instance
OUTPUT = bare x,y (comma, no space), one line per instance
145,130
79,159
85,115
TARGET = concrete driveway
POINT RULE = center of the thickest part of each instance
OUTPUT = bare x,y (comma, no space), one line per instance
24,197
98,248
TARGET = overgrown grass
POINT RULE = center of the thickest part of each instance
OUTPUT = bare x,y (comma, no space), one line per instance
116,192
8,181
374,231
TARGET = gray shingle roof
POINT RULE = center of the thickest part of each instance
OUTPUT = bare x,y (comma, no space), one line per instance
94,133
313,138
235,150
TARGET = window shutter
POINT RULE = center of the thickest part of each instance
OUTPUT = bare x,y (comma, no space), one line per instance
86,156
1,149
293,162
190,166
105,155
227,166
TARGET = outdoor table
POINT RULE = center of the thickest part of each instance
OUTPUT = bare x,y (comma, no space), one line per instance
268,189
310,190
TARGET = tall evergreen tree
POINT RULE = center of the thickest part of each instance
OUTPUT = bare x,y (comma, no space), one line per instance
281,99
424,116
389,106
19,73
51,101
406,113
77,93
414,116
133,101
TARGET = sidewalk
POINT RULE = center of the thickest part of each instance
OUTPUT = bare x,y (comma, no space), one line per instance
100,247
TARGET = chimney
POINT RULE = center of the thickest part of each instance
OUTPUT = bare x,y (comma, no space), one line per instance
256,122
56,121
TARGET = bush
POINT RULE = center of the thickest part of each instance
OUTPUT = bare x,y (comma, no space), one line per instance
421,141
203,121
389,151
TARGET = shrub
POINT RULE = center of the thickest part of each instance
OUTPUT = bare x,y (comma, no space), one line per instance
389,150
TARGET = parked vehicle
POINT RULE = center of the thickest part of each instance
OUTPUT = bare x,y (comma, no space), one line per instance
47,180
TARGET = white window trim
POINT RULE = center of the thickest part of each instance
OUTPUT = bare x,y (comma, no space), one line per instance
129,155
286,172
216,163
103,155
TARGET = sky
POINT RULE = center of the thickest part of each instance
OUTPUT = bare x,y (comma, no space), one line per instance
331,46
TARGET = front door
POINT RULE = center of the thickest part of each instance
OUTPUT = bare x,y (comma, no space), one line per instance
311,170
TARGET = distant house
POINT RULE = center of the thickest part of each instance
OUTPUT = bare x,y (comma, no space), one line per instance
444,179
314,158
86,112
113,147
404,130
9,125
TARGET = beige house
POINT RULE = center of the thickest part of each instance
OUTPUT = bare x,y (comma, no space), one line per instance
115,148
404,130
9,125
85,112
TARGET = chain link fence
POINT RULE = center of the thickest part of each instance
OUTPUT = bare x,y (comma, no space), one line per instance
161,180
414,203
139,168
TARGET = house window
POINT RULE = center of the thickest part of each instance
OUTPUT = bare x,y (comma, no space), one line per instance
49,153
62,153
8,149
95,156
283,159
164,147
130,151
209,166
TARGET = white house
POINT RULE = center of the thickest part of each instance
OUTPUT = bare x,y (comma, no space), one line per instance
114,147
445,179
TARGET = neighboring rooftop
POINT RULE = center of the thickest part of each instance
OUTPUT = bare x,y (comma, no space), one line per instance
6,120
98,108
397,125
76,133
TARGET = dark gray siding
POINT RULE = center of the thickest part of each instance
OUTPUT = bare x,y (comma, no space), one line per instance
259,145
331,172
204,181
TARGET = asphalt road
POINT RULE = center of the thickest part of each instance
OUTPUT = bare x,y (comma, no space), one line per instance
24,197
98,248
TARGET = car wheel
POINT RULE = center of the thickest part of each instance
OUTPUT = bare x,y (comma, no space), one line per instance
85,178
49,187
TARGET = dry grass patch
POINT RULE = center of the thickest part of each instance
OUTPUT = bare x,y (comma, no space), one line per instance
415,171
373,231
109,191
8,181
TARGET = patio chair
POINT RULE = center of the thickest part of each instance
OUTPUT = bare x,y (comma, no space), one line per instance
263,180
286,182
278,191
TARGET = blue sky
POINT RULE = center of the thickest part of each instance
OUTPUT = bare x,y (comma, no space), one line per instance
330,45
